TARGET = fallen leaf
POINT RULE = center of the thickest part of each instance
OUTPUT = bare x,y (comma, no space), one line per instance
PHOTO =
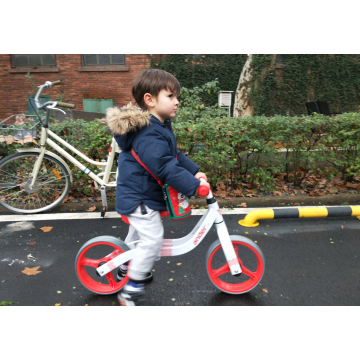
173,299
172,231
276,192
172,271
93,208
98,198
192,207
265,290
343,227
58,304
59,292
221,185
298,204
31,271
354,186
246,232
86,304
280,175
238,192
178,264
32,243
65,200
168,262
171,279
313,193
242,205
46,228
249,195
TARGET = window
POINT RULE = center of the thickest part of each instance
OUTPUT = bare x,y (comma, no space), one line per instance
97,105
33,60
103,60
279,59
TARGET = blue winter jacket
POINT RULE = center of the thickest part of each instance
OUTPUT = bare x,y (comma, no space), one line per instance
155,144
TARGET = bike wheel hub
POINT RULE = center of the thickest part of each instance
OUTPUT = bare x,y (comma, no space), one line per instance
29,189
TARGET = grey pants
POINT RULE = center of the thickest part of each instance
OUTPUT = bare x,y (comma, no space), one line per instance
149,230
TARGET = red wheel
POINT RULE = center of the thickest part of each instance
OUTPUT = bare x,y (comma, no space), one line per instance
95,253
251,260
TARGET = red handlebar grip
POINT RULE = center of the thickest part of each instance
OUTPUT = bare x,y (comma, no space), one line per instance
203,190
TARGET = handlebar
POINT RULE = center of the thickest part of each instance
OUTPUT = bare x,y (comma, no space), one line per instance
203,190
57,82
66,105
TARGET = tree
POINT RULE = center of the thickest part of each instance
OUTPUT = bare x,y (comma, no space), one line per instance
242,107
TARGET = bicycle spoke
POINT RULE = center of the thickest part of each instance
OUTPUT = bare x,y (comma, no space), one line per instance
12,194
10,187
90,262
111,279
9,175
224,269
247,272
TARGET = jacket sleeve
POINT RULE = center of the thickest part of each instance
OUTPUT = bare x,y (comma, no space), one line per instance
186,163
155,154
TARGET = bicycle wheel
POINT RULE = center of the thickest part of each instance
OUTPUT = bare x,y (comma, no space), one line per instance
93,254
251,260
50,189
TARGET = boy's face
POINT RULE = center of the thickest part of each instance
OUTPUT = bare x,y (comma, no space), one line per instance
164,106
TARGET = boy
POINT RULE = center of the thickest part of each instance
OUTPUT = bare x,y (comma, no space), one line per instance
149,133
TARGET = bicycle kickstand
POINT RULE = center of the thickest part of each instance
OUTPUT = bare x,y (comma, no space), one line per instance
104,201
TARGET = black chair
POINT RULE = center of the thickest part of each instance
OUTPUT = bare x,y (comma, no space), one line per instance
312,107
324,108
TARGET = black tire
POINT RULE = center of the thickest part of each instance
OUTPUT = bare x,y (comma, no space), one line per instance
50,193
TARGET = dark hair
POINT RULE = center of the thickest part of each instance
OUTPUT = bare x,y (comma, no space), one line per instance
152,81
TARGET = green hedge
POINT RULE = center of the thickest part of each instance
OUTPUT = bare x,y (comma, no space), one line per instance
238,151
248,150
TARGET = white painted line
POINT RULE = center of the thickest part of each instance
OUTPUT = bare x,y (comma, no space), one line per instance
114,214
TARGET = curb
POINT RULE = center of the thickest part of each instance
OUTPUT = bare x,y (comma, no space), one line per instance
255,202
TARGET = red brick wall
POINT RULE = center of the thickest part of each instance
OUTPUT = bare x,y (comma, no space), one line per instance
99,84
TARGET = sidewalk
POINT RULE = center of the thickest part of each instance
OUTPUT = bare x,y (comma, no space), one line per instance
235,202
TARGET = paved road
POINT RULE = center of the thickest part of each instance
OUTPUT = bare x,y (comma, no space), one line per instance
308,262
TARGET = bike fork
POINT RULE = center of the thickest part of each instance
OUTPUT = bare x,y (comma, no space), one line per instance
227,246
104,200
37,165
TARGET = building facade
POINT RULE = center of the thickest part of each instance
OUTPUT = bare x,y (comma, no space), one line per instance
91,82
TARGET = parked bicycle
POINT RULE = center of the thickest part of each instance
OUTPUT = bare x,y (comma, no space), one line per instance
234,263
35,180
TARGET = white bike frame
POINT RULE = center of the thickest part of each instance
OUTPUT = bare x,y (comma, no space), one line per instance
175,247
106,166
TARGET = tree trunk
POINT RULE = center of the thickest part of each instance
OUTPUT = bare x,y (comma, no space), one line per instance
242,106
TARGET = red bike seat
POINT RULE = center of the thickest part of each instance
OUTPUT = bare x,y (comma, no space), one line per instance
126,221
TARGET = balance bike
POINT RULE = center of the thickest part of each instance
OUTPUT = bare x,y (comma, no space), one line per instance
234,263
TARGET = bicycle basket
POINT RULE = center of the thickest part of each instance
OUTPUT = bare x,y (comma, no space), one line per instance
19,129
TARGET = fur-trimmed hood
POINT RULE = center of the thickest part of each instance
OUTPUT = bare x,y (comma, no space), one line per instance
125,123
129,118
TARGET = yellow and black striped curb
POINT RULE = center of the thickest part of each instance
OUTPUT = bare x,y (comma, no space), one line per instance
250,219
